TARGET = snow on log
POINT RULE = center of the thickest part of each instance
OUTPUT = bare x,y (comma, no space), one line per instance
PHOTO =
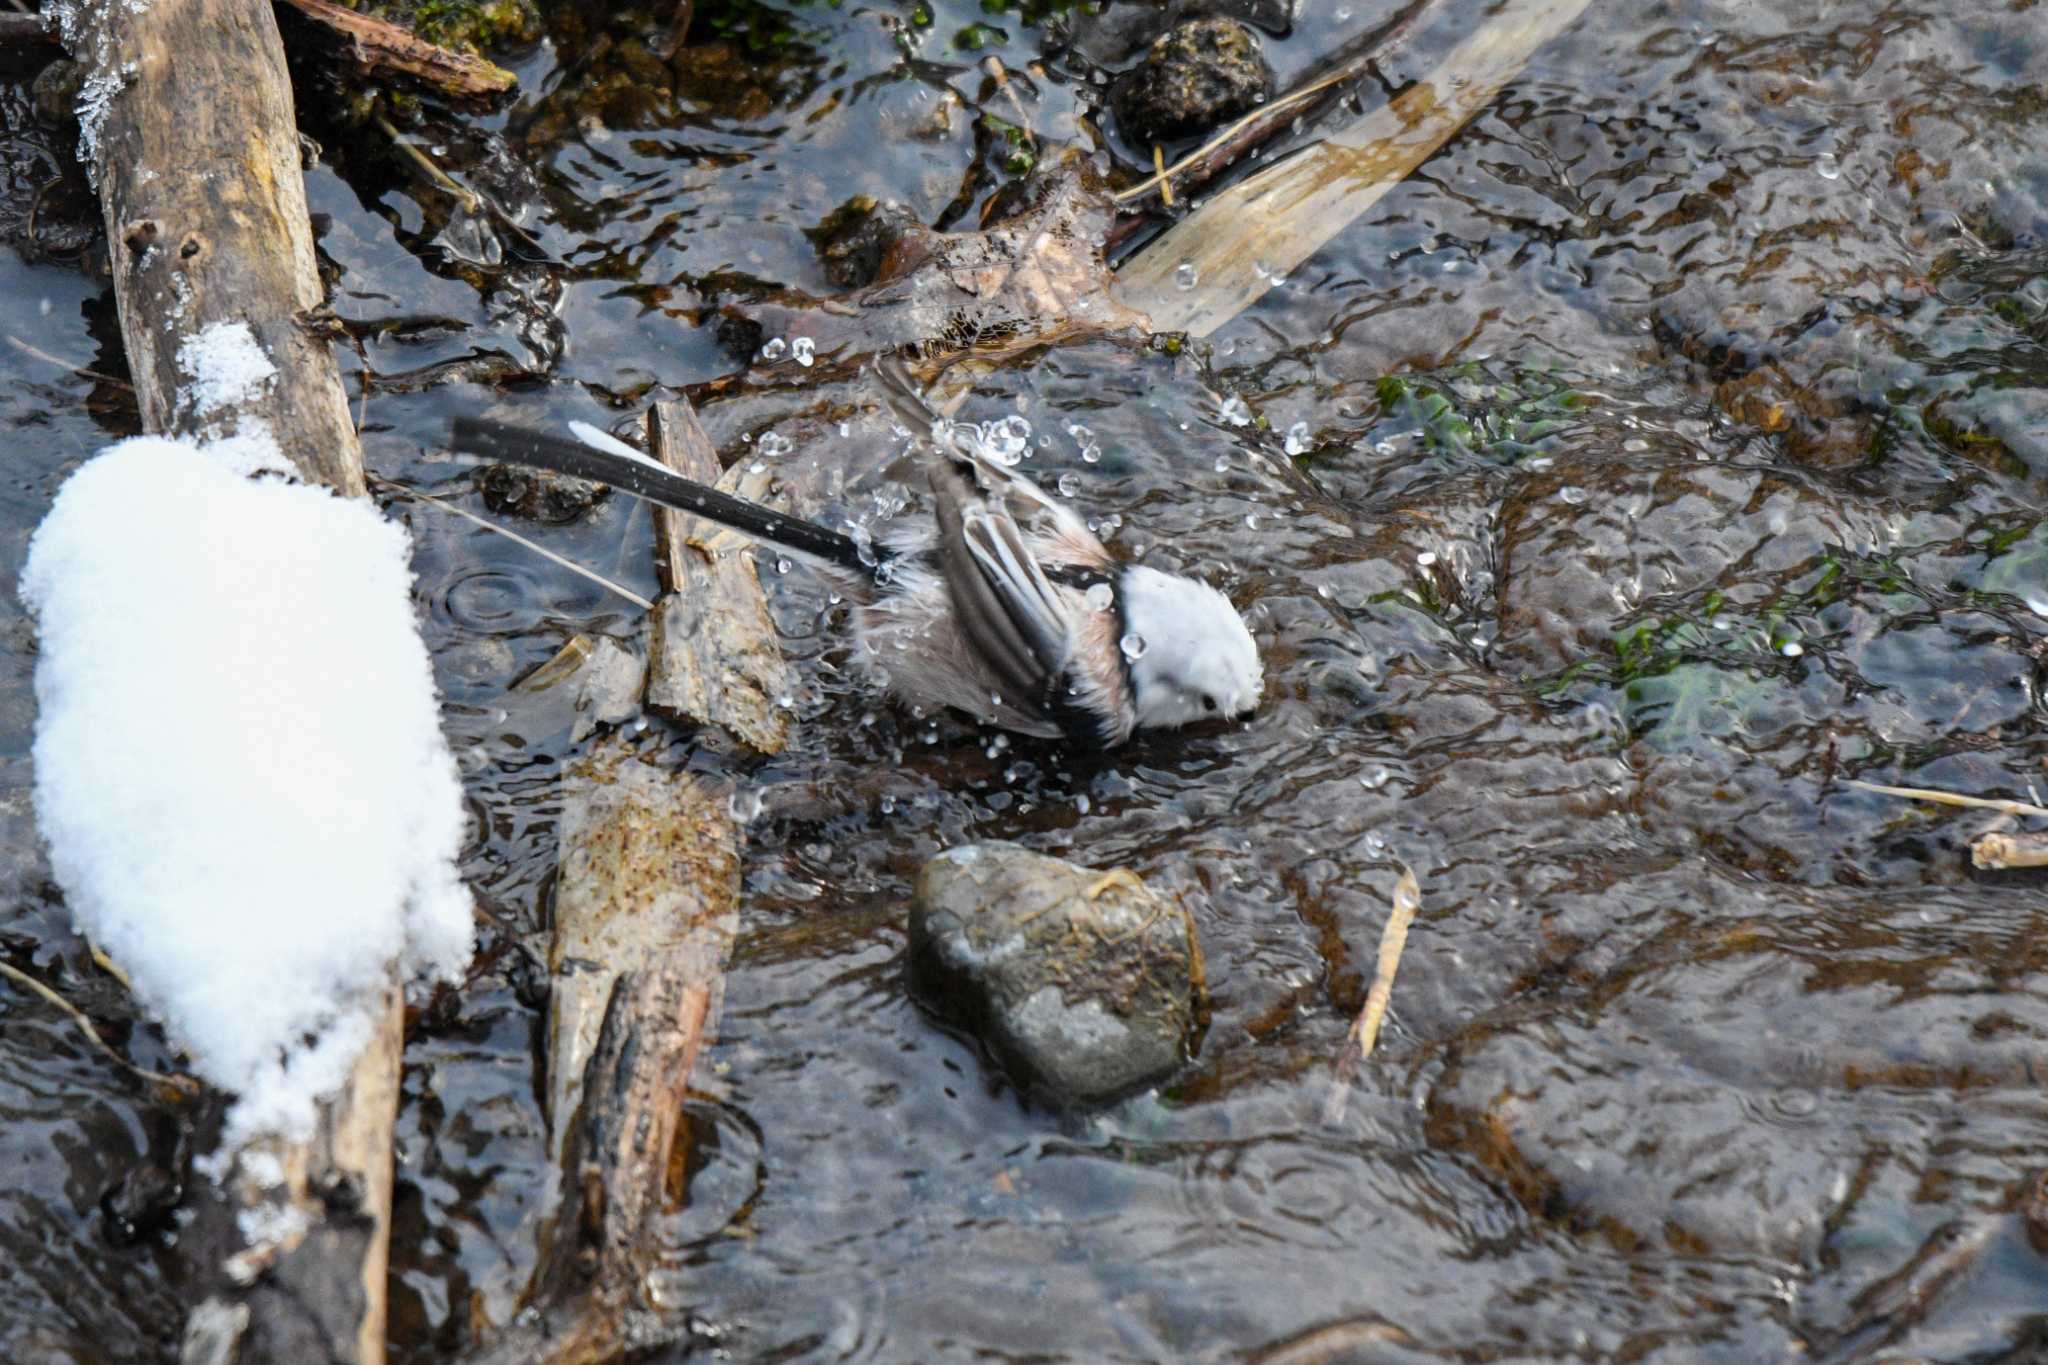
255,846
188,130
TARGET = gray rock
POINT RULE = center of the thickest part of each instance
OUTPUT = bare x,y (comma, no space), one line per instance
1197,76
1084,997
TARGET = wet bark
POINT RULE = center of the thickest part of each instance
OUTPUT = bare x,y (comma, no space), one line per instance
196,158
191,139
714,659
646,909
379,47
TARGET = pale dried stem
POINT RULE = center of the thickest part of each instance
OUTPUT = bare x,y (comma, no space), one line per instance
1365,1030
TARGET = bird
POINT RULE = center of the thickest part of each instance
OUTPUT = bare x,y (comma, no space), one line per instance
1000,603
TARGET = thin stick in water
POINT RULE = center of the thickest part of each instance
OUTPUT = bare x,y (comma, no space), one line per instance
182,1086
571,565
1365,1030
1947,798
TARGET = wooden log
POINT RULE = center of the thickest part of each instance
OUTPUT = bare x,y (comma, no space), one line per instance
713,657
189,133
648,880
380,47
646,909
646,906
191,138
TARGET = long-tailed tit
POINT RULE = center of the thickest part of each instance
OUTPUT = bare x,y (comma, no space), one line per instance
1002,603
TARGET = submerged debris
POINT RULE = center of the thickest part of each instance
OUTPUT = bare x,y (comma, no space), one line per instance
856,238
552,499
1195,77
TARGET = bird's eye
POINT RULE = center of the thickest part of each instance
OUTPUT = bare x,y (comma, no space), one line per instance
1208,702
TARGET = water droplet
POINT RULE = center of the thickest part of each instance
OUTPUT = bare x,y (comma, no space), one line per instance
782,564
1007,439
773,348
745,804
1791,649
1425,560
1082,803
1069,485
758,467
1375,778
1185,276
1235,412
1133,646
1827,167
1573,495
773,445
1222,464
1342,14
786,702
1100,597
1091,453
804,351
1251,521
1296,441
995,699
888,805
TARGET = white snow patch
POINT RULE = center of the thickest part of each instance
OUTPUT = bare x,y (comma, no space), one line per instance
239,765
224,367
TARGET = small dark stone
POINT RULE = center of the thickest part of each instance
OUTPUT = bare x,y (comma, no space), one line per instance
55,92
741,337
141,1204
856,236
1087,988
538,495
1197,76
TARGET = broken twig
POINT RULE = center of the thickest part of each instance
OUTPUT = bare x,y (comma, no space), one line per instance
2000,852
571,565
1257,231
1365,1030
1947,798
377,45
1245,135
177,1087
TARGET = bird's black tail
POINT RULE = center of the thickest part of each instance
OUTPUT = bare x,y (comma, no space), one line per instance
542,450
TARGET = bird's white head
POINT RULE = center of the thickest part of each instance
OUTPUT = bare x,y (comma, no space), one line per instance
1196,660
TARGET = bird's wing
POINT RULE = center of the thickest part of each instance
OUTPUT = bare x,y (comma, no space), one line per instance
1008,613
1024,498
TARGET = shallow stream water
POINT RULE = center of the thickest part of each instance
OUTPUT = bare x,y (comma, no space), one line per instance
1674,446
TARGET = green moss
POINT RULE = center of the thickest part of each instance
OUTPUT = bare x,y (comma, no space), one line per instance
1500,413
480,26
